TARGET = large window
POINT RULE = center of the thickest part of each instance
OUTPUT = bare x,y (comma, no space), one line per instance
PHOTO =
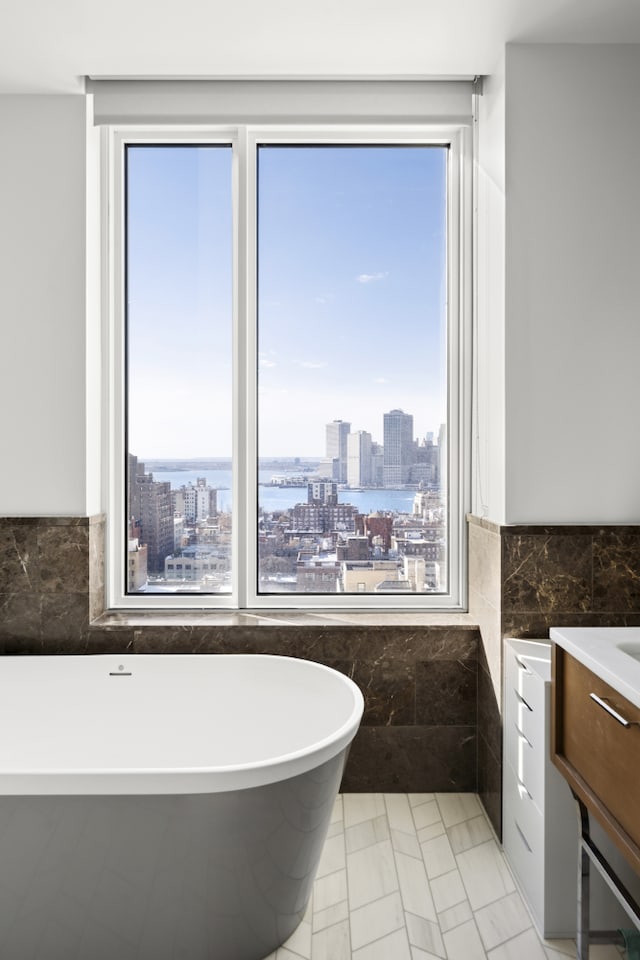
289,336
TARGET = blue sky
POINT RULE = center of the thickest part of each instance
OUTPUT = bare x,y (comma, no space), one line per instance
351,295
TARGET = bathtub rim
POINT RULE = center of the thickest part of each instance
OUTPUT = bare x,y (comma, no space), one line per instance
185,780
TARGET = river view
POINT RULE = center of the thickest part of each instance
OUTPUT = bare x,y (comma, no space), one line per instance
283,498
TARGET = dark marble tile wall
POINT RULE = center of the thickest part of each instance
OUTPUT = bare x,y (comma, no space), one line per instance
485,573
420,682
51,581
561,576
525,579
418,731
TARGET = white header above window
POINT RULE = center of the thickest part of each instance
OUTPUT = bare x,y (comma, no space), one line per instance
282,101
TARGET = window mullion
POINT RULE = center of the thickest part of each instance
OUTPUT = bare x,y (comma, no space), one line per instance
244,392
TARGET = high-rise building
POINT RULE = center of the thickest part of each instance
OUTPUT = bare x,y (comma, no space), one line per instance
136,560
359,464
324,518
425,468
151,509
399,448
336,436
443,455
322,491
196,502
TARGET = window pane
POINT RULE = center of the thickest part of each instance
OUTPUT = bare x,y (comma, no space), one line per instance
352,352
179,356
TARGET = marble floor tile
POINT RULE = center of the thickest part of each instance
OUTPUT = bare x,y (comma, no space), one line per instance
376,920
333,855
406,843
332,943
527,945
502,920
485,874
418,877
300,942
414,887
566,947
463,943
435,829
438,856
415,799
366,833
425,935
454,916
469,833
426,814
338,809
330,915
605,951
399,813
371,874
394,945
329,890
448,890
362,806
456,807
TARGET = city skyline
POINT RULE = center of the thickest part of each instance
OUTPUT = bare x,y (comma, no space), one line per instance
351,296
430,435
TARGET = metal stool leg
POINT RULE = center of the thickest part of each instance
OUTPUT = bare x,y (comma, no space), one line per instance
588,852
582,925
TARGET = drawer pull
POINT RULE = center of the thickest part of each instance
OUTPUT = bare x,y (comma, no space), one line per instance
523,701
522,790
614,713
522,665
522,837
523,739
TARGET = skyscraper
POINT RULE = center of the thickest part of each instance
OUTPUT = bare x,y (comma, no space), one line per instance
399,452
359,472
336,434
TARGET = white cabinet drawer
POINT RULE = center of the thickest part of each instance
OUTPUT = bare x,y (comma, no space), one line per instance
524,811
523,840
525,682
527,762
519,714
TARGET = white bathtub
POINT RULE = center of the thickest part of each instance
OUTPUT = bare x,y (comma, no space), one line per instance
164,807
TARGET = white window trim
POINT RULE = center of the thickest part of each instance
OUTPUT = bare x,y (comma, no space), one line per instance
244,139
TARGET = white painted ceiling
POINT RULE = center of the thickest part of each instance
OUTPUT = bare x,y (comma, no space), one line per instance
50,45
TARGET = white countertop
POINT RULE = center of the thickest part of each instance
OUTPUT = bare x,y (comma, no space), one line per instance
613,653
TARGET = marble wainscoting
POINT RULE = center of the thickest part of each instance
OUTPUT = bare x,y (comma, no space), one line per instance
418,673
419,685
524,579
51,582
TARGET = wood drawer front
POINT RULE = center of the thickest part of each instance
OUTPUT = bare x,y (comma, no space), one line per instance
604,752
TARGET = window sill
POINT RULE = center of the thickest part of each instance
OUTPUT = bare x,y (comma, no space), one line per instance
285,618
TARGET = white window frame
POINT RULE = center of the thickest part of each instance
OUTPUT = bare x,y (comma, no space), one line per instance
244,139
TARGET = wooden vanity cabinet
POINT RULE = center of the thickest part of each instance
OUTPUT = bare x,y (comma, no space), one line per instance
596,753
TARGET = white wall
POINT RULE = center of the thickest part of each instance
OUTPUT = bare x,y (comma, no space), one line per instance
489,399
572,326
558,386
42,312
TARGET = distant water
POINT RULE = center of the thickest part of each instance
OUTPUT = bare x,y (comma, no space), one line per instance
278,498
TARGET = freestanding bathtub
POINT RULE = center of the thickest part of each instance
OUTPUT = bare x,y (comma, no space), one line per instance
164,807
